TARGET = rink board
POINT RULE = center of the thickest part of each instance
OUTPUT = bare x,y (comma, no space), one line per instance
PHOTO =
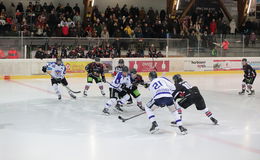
31,68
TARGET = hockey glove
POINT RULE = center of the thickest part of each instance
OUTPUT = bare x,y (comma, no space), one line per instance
104,79
44,69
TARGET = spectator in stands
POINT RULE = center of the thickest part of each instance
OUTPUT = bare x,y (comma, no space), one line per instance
213,26
128,31
73,54
77,18
40,53
80,51
76,8
129,53
65,30
225,46
152,51
233,27
68,9
64,52
205,40
105,34
11,10
253,38
2,7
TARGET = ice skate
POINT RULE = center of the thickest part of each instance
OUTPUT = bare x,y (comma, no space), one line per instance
242,92
59,97
105,111
102,92
85,93
183,130
154,127
118,107
214,120
251,92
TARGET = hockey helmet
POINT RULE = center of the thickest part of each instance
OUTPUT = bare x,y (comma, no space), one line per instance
244,60
133,71
58,60
121,61
152,75
97,59
125,69
177,78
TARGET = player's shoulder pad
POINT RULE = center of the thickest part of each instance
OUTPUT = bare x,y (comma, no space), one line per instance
166,79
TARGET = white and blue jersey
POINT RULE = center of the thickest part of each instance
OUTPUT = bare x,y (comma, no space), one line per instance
56,71
161,89
120,81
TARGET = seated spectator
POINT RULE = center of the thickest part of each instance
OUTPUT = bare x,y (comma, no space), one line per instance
80,51
40,53
129,53
253,38
152,51
128,31
73,54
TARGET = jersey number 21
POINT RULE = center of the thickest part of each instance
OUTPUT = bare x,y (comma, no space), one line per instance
157,85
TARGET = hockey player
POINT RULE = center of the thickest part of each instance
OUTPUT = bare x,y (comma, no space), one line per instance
119,90
57,71
249,78
133,91
161,89
189,95
95,72
118,68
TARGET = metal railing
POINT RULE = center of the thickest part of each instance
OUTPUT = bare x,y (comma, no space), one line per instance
239,45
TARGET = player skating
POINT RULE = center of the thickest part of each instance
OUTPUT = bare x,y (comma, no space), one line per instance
119,67
249,78
190,95
95,72
119,90
57,71
161,89
136,79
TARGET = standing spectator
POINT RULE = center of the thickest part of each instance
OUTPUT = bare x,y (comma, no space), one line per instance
2,7
213,26
68,9
253,38
19,7
65,30
40,53
225,46
204,40
77,18
76,8
152,51
11,10
52,22
128,31
50,7
105,34
233,27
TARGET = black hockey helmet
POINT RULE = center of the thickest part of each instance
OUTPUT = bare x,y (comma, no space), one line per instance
152,75
133,71
58,60
177,78
125,69
244,60
121,61
97,59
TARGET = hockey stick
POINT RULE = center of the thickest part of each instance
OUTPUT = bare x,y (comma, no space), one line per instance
65,86
126,119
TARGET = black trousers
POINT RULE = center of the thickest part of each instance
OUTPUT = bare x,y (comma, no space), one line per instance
193,98
63,81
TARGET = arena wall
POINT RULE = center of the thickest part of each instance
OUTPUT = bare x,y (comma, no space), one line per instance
31,68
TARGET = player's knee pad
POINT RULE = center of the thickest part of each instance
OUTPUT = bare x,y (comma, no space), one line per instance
243,85
100,85
171,108
111,102
249,86
124,99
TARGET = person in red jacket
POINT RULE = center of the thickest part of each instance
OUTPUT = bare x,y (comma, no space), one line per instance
2,54
65,30
213,26
225,46
13,54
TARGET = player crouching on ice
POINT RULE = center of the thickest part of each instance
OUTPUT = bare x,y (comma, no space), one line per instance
57,71
161,89
119,91
189,95
95,70
249,78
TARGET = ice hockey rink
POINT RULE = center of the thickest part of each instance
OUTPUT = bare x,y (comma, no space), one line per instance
34,125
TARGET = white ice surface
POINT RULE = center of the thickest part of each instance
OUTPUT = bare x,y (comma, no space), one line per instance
34,125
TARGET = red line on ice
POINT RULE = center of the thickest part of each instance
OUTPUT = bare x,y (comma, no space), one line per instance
33,87
236,145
